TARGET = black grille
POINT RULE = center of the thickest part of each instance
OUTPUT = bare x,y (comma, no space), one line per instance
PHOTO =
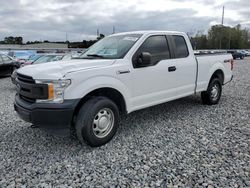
26,79
29,90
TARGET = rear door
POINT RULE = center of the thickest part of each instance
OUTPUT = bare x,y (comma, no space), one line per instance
186,66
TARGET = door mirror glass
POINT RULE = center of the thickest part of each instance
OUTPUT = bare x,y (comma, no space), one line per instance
144,59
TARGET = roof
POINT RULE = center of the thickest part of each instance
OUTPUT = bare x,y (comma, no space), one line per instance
149,32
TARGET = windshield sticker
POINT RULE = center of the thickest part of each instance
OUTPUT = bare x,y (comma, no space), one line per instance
130,38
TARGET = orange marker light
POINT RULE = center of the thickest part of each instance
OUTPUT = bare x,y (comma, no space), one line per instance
50,91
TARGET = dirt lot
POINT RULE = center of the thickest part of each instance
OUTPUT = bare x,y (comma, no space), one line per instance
180,143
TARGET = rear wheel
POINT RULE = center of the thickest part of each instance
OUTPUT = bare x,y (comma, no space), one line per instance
97,121
213,93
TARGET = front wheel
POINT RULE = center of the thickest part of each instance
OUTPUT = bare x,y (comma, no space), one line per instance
213,93
97,121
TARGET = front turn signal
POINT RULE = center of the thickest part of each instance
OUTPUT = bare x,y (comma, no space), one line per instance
50,91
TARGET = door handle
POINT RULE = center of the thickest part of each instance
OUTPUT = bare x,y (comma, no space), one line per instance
123,71
171,69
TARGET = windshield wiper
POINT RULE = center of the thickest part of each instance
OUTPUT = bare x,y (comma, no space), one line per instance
95,55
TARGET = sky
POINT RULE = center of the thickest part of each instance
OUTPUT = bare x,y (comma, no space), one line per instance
80,19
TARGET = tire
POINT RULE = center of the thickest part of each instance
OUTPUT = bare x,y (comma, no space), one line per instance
97,121
241,57
213,93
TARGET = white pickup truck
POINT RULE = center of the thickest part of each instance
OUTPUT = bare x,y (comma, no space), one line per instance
119,74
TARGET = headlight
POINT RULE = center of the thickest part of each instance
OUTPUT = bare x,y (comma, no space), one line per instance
55,90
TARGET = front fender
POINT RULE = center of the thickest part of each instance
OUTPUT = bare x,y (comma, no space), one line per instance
80,89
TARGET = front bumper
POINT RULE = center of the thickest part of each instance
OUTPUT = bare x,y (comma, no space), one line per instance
46,115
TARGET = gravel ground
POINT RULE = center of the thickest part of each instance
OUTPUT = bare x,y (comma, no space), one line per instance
178,144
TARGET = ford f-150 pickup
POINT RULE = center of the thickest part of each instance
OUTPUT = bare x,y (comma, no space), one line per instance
120,74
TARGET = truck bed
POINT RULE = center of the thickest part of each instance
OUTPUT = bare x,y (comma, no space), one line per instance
216,61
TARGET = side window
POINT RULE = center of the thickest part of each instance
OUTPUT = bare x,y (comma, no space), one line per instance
157,46
5,58
181,47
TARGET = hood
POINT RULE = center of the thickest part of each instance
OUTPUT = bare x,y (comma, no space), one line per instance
58,69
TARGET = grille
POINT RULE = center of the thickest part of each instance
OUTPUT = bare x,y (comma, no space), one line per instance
25,79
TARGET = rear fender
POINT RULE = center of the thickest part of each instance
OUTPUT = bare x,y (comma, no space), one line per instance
214,68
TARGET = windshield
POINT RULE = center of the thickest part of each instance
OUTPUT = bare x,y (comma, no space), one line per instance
112,47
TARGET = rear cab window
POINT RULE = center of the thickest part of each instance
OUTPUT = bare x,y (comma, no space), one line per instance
181,49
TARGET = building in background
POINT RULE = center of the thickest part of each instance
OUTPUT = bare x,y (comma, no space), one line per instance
48,45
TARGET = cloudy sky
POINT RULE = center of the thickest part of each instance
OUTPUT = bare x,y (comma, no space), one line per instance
52,19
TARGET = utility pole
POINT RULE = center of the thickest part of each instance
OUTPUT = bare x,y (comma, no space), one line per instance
113,29
222,22
97,32
222,19
66,36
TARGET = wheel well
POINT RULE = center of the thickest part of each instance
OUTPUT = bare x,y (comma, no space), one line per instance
218,74
110,93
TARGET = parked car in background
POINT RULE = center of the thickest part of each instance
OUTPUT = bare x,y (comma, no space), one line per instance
245,52
43,59
51,57
21,56
7,65
4,52
33,58
68,56
236,54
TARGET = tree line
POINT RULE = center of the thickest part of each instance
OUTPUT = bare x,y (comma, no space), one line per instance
222,37
218,37
83,44
12,40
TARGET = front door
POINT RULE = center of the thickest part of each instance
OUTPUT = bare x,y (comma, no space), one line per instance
154,83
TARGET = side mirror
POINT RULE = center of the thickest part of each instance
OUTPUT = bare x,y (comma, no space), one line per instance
144,59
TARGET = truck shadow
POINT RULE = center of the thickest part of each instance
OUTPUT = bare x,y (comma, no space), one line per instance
169,111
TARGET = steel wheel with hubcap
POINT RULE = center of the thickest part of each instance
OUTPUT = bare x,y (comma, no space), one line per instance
97,121
103,122
213,93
